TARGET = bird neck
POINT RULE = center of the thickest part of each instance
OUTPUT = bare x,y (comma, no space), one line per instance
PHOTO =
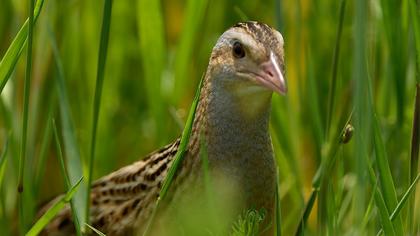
234,119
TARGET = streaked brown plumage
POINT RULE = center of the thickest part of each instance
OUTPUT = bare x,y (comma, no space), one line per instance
232,117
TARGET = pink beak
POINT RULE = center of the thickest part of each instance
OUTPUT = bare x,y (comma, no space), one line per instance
271,77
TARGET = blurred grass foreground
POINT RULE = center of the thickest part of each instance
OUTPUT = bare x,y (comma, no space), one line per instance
91,86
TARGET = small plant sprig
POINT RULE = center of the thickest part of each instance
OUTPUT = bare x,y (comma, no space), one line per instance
248,223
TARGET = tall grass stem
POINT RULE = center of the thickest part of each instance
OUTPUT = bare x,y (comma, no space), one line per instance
179,156
10,58
334,68
26,93
100,74
67,182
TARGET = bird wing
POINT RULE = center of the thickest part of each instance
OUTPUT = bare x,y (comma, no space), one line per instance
121,201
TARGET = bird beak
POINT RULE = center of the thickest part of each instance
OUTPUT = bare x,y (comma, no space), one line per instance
271,77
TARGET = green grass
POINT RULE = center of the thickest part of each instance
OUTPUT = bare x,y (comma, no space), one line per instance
152,46
347,62
185,138
15,49
63,170
95,230
24,134
53,210
103,50
71,146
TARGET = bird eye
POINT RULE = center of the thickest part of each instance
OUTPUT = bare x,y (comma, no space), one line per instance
238,50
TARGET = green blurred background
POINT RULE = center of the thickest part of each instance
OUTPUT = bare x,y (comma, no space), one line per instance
157,53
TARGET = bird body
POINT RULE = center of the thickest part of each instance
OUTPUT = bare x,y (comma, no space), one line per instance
231,122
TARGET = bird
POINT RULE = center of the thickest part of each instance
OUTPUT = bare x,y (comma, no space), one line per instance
245,68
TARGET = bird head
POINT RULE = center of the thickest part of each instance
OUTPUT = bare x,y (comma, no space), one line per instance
249,58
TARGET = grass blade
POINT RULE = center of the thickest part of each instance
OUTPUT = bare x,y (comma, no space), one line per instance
308,209
3,162
392,22
60,156
371,205
414,159
4,152
53,210
10,58
192,20
323,170
26,91
182,146
380,204
45,144
362,117
179,156
103,49
387,183
71,147
405,197
314,108
336,56
95,230
3,157
65,175
415,16
152,43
